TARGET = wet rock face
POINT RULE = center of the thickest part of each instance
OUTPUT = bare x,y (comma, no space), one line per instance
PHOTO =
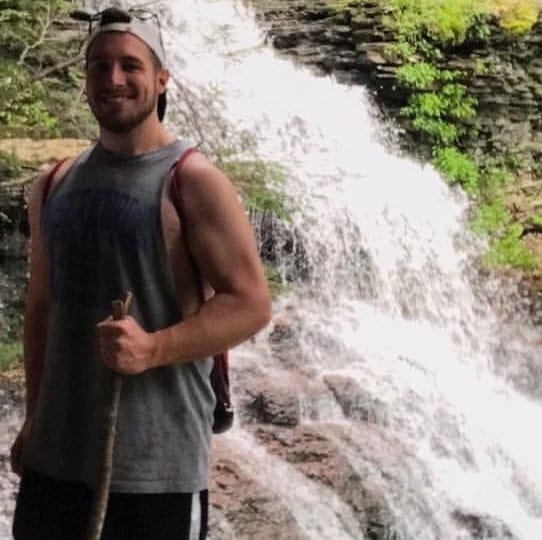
351,48
269,478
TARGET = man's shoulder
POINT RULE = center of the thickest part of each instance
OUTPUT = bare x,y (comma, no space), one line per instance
196,168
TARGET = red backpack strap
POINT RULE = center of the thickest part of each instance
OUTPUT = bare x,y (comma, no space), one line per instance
220,381
174,187
184,155
176,199
49,178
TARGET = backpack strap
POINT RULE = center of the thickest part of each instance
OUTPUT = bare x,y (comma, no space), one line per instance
176,199
51,174
48,181
220,381
174,187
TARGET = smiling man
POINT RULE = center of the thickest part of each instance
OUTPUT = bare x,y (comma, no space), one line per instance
120,92
139,212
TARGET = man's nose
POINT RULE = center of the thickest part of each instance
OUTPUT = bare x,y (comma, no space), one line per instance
115,75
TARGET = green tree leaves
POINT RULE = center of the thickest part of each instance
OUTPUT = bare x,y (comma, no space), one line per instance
37,84
23,110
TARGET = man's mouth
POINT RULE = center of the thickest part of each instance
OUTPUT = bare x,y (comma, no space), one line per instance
114,98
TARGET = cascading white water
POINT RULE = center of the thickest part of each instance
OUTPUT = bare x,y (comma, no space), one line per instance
389,302
422,342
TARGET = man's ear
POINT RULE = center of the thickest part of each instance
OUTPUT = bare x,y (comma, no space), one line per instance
163,78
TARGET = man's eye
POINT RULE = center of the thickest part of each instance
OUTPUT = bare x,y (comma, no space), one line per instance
99,67
132,67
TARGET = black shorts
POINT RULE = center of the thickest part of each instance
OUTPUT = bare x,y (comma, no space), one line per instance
49,509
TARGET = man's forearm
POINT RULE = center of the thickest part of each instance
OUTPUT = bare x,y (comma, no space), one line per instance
221,323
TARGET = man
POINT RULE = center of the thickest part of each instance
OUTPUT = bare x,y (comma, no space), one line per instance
108,223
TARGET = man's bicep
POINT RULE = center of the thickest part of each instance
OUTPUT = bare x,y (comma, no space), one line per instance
219,232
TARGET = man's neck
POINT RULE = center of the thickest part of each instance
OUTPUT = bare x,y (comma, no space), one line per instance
140,140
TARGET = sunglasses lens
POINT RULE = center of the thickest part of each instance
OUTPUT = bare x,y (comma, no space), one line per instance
107,17
141,14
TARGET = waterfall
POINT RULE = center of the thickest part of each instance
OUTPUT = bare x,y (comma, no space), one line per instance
441,418
388,299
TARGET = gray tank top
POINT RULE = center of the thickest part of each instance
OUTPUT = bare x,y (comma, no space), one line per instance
103,234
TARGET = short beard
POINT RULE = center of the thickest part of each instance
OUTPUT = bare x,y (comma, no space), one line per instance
125,125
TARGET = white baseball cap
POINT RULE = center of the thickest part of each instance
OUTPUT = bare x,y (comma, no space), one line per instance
144,29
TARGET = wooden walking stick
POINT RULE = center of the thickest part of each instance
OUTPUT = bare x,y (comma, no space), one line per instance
119,311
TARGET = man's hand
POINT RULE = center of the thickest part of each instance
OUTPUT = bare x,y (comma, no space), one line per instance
125,347
17,449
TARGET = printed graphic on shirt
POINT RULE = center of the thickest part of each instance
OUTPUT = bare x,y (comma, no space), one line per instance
92,236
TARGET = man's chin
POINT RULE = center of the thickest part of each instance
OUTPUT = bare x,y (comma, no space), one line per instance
117,124
119,127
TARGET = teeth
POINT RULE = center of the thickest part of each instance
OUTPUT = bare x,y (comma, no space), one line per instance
114,98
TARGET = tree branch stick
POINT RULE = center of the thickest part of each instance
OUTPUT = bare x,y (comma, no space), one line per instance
45,24
61,65
97,517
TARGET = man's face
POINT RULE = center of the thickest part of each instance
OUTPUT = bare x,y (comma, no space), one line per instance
122,81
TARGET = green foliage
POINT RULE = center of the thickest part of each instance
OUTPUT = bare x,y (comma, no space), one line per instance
536,220
451,21
491,217
23,110
508,250
401,51
458,168
419,76
10,167
30,30
495,173
517,16
260,184
437,101
458,104
441,20
10,354
38,88
436,113
436,129
505,245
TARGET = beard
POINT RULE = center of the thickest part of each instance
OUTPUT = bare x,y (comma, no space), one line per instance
122,123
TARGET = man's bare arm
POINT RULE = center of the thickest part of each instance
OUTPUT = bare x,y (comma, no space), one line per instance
35,315
222,242
37,300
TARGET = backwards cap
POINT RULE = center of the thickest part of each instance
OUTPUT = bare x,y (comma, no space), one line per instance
116,20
